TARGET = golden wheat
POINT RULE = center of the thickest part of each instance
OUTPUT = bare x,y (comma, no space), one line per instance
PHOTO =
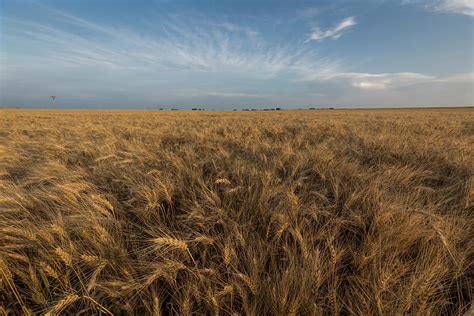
366,212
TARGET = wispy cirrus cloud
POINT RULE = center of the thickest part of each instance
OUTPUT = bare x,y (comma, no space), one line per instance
171,59
465,7
335,32
232,27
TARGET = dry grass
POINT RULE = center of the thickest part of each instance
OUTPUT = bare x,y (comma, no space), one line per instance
256,213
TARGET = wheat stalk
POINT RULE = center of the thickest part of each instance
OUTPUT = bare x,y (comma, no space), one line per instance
63,303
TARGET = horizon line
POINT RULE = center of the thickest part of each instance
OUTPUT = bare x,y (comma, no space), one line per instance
276,108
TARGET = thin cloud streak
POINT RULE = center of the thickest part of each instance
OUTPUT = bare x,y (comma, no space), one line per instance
456,6
465,7
384,81
389,81
335,32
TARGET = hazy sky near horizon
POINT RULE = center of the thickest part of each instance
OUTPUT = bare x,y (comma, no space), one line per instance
234,54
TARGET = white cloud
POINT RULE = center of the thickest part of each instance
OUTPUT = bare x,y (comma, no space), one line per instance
465,7
335,32
370,85
457,6
387,80
369,81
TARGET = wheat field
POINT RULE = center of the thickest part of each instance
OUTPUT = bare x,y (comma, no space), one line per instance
309,212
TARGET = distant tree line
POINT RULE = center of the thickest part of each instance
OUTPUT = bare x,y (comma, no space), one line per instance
272,109
254,109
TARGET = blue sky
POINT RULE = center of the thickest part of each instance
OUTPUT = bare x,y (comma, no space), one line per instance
235,54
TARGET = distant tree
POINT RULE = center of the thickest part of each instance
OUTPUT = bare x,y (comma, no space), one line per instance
277,109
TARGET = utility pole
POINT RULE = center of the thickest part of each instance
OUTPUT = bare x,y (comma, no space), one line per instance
53,97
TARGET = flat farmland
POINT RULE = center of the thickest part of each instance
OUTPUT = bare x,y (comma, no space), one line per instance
237,212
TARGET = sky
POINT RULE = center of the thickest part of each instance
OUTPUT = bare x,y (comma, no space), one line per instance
227,54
